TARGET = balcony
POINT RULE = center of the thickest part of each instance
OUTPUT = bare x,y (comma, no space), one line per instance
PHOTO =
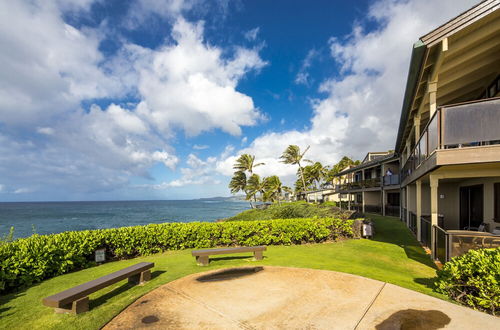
452,243
464,125
390,180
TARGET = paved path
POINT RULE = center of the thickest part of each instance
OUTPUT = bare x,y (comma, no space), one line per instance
292,298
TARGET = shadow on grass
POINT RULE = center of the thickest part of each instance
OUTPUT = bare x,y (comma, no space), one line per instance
121,289
428,282
4,299
393,231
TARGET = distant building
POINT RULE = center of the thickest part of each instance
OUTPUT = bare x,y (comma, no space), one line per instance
372,186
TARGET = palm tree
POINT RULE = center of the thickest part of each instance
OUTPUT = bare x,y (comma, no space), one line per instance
272,188
293,156
317,173
239,183
254,186
246,162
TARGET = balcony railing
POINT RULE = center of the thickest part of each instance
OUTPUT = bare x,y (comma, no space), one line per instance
392,210
453,243
462,125
412,223
390,180
373,209
425,232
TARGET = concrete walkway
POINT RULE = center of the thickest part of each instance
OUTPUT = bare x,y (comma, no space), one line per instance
292,298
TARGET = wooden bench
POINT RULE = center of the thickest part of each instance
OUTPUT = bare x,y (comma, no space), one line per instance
76,300
202,256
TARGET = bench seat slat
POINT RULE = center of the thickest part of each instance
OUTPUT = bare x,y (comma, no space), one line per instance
68,296
207,252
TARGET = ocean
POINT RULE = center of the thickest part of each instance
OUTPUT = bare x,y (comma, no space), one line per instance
55,217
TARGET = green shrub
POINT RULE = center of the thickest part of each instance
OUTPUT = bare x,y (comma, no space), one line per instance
473,279
291,211
30,260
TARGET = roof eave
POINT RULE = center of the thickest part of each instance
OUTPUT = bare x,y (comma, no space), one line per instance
417,57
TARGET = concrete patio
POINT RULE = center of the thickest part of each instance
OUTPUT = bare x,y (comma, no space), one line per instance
292,298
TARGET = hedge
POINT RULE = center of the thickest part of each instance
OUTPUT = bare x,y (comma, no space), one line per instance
473,279
33,259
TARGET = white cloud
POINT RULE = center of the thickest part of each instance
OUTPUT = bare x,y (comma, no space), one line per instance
45,130
251,35
199,172
200,147
50,67
142,11
303,77
23,190
361,110
190,85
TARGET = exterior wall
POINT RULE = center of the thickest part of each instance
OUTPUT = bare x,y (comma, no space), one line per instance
449,204
372,198
412,198
426,199
449,201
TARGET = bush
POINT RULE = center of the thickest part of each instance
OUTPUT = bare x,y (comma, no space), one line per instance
291,211
33,259
473,279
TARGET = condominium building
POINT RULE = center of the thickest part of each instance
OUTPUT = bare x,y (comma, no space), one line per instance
449,135
372,186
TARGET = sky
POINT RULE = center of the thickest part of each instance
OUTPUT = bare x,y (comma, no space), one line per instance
155,99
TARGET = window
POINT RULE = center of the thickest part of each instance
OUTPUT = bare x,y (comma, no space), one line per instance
496,201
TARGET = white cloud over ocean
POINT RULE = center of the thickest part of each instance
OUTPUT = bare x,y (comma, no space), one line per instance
51,67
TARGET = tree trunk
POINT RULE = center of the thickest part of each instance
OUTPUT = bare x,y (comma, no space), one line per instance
302,176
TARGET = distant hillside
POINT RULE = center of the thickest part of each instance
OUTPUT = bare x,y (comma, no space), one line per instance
219,198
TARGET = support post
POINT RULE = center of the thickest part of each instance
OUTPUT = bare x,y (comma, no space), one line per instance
76,307
257,255
383,201
434,183
419,208
363,201
407,204
202,260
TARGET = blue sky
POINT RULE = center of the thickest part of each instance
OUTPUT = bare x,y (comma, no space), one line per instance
150,99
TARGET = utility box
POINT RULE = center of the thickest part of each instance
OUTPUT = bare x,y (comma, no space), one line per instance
367,230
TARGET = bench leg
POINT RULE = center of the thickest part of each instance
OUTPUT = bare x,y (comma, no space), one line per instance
77,307
257,255
140,278
202,260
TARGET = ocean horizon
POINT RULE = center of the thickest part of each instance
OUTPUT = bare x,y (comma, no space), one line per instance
53,217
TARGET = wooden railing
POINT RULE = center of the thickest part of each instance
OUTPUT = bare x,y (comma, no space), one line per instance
454,126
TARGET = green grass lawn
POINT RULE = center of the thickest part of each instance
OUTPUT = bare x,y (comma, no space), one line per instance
392,256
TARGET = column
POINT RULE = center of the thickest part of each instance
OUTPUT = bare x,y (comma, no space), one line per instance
407,204
432,97
363,198
419,208
383,201
434,182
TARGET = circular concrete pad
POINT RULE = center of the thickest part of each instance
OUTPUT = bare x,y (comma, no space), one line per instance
292,298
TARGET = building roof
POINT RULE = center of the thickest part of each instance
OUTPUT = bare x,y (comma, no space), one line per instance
390,157
420,53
